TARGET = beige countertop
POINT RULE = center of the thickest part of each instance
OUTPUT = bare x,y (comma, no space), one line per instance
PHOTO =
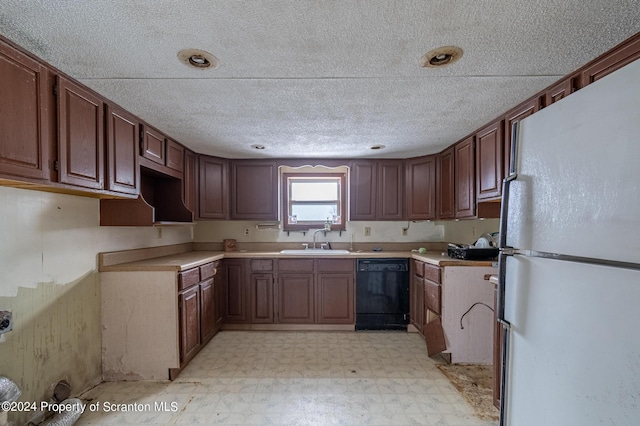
191,259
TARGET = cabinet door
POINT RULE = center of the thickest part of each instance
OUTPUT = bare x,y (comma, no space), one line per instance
24,121
363,188
190,180
489,159
254,190
421,188
207,310
522,111
465,188
80,136
261,298
220,296
390,200
213,189
620,56
296,299
175,156
416,305
189,306
558,91
432,296
237,291
445,184
153,145
334,299
123,130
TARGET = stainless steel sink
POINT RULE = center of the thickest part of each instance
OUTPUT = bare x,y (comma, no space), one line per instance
314,252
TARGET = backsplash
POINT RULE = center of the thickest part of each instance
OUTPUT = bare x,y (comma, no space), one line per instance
464,231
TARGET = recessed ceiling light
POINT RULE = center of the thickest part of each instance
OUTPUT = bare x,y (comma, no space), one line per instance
441,56
258,146
375,147
198,59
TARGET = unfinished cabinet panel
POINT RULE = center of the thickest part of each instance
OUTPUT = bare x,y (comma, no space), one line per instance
24,119
80,136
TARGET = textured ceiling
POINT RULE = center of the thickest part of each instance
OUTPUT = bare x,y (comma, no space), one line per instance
318,78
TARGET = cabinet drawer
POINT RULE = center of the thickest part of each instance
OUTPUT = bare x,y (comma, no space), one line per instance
258,265
295,265
418,268
207,270
188,278
432,272
336,265
432,296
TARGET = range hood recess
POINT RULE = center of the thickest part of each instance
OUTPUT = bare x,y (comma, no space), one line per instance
159,203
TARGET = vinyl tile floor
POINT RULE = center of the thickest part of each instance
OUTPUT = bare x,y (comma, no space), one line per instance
292,378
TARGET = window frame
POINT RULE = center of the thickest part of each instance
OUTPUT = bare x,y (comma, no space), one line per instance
342,200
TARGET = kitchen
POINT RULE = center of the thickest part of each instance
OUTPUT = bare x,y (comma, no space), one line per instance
51,242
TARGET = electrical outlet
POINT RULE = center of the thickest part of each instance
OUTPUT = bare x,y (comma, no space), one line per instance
367,231
246,231
404,232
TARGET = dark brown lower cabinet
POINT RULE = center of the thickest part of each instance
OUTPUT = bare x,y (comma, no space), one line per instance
261,286
295,299
237,290
207,310
335,298
189,307
416,306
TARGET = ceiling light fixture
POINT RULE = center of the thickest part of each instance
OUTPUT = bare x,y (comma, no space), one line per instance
441,56
198,59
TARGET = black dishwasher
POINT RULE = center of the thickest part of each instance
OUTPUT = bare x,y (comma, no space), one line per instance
382,294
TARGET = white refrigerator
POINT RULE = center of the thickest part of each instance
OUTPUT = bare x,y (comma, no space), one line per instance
569,292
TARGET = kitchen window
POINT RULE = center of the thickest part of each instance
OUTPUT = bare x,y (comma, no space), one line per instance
312,199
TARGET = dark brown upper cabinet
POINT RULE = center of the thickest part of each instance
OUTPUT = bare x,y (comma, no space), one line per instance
421,188
24,116
518,113
445,178
363,187
465,188
122,130
213,188
254,190
390,200
80,136
190,180
489,161
621,55
174,156
376,190
559,91
153,146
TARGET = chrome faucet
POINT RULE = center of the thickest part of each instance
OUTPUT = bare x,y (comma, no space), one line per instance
314,236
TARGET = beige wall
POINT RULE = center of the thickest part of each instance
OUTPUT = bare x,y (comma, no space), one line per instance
49,280
463,231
